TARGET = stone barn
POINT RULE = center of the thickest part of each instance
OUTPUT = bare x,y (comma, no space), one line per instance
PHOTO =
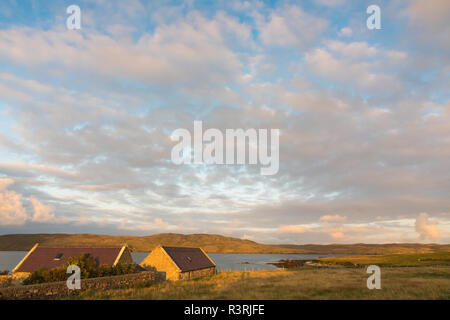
180,263
52,257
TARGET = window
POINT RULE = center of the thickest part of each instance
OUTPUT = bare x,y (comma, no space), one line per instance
189,259
58,256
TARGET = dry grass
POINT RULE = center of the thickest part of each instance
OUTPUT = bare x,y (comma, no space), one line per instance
424,259
209,242
304,283
12,279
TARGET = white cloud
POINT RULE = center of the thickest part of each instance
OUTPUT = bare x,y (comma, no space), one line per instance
331,3
336,234
160,223
333,218
342,150
430,21
346,32
293,229
41,212
427,228
353,50
156,225
291,26
190,50
347,68
346,232
11,209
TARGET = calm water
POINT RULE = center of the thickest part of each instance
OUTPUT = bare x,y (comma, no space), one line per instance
256,261
224,261
9,259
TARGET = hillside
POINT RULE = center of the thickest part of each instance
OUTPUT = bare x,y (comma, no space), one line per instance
210,242
392,260
364,249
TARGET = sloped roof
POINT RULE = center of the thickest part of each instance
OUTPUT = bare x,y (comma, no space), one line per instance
52,257
189,259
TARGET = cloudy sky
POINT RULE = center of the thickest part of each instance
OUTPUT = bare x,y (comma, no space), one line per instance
86,118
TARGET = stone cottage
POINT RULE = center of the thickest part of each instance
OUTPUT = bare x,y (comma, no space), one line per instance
180,263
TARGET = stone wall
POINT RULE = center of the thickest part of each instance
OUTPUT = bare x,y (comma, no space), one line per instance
126,256
59,289
197,273
5,280
14,279
159,260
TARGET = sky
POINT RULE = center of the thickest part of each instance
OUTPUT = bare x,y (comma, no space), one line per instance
86,118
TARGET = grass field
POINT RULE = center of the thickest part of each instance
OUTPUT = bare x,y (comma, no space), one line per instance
304,283
424,259
403,276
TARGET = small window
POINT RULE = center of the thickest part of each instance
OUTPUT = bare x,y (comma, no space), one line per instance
189,259
58,256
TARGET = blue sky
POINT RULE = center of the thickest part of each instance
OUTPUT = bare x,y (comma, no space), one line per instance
86,118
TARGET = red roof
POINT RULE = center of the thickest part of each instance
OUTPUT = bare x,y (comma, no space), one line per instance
189,259
44,257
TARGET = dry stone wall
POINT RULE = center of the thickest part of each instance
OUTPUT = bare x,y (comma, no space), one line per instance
60,290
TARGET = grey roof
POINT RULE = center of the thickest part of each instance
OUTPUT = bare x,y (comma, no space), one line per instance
189,259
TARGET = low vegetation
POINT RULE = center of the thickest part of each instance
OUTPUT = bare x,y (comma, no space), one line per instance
89,268
371,249
403,260
408,276
301,283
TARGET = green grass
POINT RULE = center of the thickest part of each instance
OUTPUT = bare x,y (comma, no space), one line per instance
302,283
424,259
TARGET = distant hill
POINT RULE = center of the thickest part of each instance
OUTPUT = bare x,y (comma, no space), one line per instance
210,242
363,249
